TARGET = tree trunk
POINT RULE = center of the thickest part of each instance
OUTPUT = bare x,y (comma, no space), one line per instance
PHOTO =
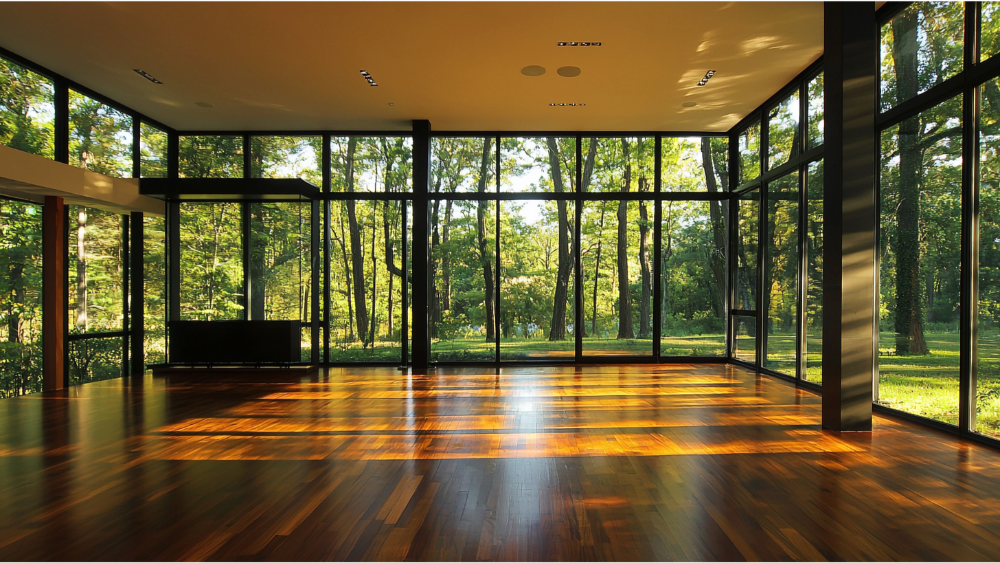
557,330
909,313
644,312
16,277
625,331
258,266
357,253
717,211
666,252
347,276
597,270
446,260
374,319
484,257
81,269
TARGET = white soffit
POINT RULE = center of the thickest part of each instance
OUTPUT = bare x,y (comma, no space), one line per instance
30,177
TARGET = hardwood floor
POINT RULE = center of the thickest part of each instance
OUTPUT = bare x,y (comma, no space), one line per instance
645,462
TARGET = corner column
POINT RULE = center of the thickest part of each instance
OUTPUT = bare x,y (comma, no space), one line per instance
54,294
421,255
851,79
137,284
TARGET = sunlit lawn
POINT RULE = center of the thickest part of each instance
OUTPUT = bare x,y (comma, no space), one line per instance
477,349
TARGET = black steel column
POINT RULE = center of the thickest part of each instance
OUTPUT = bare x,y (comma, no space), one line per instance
421,255
327,162
137,280
60,124
969,298
657,258
850,55
314,211
579,318
245,215
126,257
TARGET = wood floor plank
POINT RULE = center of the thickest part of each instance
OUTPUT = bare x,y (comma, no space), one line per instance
609,462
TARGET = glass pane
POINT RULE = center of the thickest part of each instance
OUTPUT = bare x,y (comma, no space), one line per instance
781,278
527,164
619,164
95,359
813,347
280,272
211,156
920,239
463,304
693,164
154,290
457,165
745,339
987,381
100,137
95,270
750,153
153,152
27,110
371,164
617,276
20,298
536,283
746,251
287,157
693,257
211,261
783,137
815,90
989,43
921,47
365,281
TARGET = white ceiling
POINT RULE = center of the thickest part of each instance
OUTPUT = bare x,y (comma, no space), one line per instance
295,66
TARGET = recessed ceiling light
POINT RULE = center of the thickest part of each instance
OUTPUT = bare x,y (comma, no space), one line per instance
561,44
391,104
533,70
569,71
146,75
204,104
688,104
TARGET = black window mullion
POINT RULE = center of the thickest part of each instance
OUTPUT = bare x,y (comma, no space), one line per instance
657,259
578,316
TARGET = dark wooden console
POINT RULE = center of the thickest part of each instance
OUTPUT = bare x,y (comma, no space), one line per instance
234,342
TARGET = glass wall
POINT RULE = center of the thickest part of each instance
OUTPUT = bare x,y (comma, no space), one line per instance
781,274
695,164
211,156
693,277
154,290
749,150
100,137
920,268
783,132
812,348
921,48
96,294
152,152
27,110
20,298
211,261
987,380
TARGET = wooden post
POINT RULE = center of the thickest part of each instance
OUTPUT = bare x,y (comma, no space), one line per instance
54,294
